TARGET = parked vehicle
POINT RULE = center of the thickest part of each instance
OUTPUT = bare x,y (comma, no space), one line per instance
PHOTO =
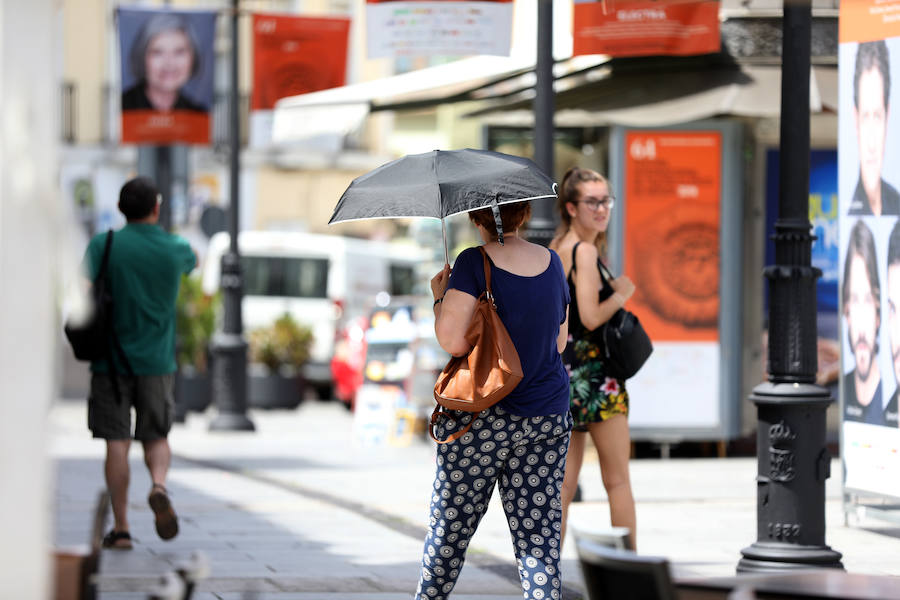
320,280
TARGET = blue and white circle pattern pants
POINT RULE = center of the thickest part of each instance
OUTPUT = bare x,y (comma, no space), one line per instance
527,455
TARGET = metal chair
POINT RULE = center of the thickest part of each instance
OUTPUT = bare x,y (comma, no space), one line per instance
615,574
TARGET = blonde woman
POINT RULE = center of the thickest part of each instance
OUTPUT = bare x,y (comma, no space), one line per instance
599,403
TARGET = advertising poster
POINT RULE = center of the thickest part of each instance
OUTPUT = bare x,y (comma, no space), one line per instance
297,55
167,60
442,27
672,193
645,27
869,226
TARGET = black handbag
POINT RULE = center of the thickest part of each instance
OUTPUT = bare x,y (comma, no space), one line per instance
625,344
90,339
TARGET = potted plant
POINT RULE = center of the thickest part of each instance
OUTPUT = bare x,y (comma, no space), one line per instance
195,321
277,354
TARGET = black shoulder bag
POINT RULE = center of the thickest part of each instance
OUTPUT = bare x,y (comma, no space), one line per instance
94,338
625,344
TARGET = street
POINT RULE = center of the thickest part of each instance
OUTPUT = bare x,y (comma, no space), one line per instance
297,510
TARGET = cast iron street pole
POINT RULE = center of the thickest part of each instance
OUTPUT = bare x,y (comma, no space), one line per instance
793,461
164,184
229,376
542,225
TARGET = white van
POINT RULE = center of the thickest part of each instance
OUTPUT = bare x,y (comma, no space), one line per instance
321,280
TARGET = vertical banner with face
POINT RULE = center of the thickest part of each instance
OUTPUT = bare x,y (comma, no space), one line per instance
442,27
167,62
297,55
672,190
869,225
645,27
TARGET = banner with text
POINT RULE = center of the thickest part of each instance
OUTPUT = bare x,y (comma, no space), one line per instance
167,60
645,27
438,27
869,242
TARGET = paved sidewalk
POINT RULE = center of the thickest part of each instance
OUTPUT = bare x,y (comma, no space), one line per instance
297,510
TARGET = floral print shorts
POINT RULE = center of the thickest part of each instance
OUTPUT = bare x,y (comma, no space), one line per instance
593,396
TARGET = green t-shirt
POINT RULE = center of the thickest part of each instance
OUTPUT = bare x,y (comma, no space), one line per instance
145,268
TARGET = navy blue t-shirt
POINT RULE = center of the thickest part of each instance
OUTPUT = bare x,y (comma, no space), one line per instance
532,309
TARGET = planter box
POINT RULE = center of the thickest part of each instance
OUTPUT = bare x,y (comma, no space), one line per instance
266,389
193,392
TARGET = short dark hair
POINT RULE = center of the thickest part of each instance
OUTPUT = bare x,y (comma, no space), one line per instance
512,215
138,198
872,55
160,23
862,242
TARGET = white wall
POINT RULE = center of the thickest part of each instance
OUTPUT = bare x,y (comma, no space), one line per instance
28,326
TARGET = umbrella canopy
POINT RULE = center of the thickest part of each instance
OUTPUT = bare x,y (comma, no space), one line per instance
442,183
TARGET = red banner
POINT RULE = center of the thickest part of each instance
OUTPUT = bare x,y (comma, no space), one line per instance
868,20
672,191
297,55
646,27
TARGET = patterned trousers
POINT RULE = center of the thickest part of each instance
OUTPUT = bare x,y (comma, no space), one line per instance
527,455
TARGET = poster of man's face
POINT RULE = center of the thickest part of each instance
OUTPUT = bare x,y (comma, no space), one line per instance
167,60
864,139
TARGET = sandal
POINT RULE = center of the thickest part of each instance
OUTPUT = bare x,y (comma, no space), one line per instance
117,540
166,520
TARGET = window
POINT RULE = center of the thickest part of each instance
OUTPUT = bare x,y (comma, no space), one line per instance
403,280
285,276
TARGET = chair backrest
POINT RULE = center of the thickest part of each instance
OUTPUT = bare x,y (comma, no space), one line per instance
611,537
611,574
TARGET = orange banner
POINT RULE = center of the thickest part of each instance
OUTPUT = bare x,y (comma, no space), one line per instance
155,127
672,195
868,20
297,55
646,27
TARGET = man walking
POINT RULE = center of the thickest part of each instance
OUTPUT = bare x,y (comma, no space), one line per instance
144,268
861,296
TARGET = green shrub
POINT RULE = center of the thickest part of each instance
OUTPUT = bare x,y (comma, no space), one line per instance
286,343
195,321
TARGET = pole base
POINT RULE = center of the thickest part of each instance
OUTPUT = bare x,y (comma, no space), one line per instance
231,422
780,558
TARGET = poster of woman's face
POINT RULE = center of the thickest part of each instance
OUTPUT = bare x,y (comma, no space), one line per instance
167,60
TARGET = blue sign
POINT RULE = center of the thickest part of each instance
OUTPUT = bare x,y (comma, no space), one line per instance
823,212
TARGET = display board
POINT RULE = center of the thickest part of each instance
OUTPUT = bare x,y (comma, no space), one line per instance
677,236
869,227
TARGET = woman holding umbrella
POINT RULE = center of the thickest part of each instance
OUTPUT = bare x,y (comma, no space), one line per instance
599,403
521,442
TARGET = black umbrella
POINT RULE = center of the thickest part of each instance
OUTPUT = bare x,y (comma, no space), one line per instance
442,183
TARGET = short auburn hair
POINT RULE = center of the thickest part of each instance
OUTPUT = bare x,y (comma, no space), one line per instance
512,215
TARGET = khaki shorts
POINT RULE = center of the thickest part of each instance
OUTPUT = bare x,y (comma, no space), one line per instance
151,396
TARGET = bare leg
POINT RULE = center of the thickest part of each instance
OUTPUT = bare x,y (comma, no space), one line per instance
570,481
613,444
157,457
117,477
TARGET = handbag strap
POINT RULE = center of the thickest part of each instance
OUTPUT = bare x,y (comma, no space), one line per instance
487,271
436,414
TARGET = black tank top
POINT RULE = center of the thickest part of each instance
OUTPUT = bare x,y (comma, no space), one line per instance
575,325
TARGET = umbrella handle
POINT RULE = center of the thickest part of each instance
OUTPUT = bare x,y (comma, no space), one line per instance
444,235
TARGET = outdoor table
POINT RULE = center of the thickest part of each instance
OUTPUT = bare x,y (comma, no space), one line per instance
818,583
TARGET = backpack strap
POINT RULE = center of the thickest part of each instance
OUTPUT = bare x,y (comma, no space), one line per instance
115,347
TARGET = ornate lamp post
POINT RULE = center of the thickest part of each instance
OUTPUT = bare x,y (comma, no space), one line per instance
229,349
793,461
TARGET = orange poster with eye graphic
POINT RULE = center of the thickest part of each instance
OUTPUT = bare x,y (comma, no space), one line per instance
672,195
